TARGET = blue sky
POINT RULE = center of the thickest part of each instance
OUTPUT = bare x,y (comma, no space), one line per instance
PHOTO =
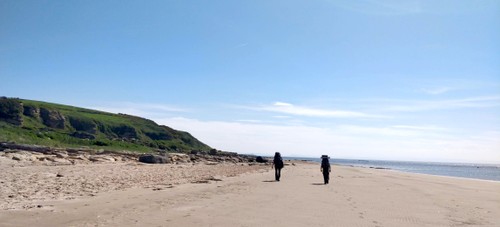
393,80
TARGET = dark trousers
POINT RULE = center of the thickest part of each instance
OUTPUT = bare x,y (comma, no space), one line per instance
326,176
277,173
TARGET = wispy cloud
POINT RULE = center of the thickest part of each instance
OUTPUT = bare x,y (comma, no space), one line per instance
287,108
140,109
241,45
282,117
409,131
252,121
427,105
420,127
403,142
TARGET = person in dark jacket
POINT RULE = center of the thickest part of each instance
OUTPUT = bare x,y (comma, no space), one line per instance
278,165
325,168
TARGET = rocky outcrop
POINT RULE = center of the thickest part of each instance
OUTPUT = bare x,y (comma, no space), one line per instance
60,156
212,152
153,159
52,118
101,158
125,132
66,156
31,111
83,135
35,148
158,136
83,125
260,159
11,111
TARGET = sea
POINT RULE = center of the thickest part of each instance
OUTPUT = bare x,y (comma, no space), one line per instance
464,170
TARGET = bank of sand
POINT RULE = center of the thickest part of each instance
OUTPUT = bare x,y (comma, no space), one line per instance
355,197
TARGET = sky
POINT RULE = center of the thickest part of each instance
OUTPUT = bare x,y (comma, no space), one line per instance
411,80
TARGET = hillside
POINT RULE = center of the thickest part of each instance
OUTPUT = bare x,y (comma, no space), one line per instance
49,124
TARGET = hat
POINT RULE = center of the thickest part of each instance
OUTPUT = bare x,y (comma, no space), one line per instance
325,156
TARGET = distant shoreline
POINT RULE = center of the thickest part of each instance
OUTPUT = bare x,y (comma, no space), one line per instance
487,172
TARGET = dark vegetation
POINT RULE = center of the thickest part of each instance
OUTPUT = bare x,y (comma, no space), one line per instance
34,122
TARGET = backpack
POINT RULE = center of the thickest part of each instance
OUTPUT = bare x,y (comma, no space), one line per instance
325,163
279,163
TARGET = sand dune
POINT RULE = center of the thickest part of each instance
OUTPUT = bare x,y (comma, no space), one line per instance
355,197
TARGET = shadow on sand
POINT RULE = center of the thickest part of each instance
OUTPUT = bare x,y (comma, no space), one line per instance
317,184
269,181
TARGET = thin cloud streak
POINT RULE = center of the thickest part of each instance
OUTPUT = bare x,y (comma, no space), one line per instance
423,128
140,109
425,105
287,108
410,132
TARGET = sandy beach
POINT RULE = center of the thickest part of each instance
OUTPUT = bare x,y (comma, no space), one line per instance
226,194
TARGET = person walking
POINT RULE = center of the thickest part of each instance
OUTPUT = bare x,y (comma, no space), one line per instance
325,168
277,165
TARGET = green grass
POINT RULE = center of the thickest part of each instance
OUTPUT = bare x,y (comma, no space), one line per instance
110,131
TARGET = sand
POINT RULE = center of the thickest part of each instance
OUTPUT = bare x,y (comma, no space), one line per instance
217,195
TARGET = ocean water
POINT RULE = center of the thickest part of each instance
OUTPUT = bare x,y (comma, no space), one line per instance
475,171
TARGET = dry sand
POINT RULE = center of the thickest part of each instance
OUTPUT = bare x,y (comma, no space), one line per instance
354,197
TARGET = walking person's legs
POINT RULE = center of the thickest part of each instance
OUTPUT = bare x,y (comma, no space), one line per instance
326,176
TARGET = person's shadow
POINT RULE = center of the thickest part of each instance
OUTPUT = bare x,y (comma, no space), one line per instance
317,184
269,181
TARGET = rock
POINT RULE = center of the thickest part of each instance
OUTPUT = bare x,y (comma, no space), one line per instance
212,152
193,158
260,159
153,159
52,118
125,132
200,182
101,158
22,156
11,111
178,157
159,135
31,111
212,178
13,146
75,151
79,157
83,135
59,175
83,125
61,154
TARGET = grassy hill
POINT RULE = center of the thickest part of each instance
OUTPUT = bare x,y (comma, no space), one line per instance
49,124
